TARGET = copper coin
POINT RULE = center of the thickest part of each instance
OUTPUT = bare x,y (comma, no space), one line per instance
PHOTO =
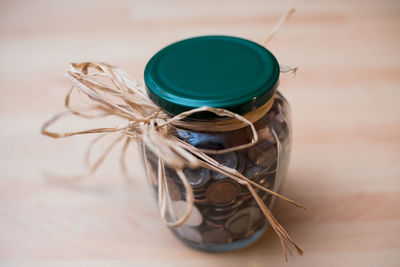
171,173
280,126
265,197
244,191
218,236
239,137
231,206
199,194
200,198
272,112
280,118
228,159
150,156
215,224
266,179
266,134
218,215
197,177
152,174
263,154
173,190
201,201
199,189
222,193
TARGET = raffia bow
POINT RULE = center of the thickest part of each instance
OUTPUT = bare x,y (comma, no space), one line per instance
113,92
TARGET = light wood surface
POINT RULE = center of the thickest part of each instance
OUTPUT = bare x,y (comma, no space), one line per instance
346,152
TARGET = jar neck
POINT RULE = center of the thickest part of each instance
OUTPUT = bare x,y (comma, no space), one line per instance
226,124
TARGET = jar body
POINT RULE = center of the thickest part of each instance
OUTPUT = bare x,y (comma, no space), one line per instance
225,216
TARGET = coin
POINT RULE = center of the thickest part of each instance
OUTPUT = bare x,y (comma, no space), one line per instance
171,173
151,157
265,197
208,140
264,154
227,159
215,224
280,126
253,172
266,179
179,209
218,215
197,177
199,191
285,129
231,206
201,201
280,118
266,134
239,137
190,233
240,225
244,191
151,173
173,190
199,194
242,162
218,236
222,193
243,220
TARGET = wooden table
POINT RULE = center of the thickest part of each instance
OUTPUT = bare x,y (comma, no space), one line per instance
346,153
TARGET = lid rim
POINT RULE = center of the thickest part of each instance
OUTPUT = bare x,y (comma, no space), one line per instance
240,101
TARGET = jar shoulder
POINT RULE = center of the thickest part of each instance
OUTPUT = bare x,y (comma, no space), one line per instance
276,123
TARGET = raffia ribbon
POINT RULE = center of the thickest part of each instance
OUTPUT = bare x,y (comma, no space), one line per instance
114,92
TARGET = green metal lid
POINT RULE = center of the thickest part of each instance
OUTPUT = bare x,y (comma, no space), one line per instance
215,71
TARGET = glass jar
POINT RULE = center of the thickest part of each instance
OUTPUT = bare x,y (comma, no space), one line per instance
225,215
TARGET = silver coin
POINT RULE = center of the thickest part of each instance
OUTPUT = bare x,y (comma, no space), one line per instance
197,177
253,172
243,220
179,209
190,233
228,159
217,236
241,166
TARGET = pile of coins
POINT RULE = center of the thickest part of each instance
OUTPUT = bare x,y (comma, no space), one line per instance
224,211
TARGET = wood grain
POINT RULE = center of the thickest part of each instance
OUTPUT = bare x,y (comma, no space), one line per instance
346,153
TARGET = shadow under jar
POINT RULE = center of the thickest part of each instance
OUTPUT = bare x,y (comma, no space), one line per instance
240,76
